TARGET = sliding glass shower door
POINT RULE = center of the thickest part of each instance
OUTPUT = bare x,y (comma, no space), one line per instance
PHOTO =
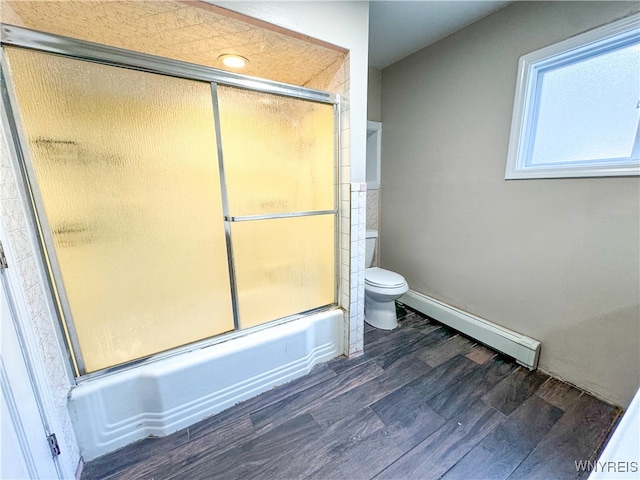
278,162
126,165
172,210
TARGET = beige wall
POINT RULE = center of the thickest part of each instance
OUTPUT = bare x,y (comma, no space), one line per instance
374,93
557,260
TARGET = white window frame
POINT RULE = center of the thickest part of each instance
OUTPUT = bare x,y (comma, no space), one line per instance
525,109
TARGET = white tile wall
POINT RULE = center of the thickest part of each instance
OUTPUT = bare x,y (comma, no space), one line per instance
353,218
352,212
356,279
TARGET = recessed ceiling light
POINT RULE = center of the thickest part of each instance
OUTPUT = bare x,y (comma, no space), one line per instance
233,61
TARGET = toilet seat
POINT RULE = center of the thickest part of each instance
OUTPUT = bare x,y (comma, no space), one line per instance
381,278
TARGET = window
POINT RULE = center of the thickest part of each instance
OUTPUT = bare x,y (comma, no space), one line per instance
577,107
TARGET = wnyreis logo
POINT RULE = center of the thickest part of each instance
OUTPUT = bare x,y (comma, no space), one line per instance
606,467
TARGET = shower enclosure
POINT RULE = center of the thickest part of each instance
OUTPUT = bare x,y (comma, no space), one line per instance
175,203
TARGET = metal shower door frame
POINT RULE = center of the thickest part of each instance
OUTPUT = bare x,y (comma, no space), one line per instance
112,56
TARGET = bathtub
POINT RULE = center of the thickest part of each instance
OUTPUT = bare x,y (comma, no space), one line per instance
161,397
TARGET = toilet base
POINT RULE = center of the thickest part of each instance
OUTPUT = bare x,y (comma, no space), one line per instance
380,314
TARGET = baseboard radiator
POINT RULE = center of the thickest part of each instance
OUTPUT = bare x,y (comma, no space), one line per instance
523,349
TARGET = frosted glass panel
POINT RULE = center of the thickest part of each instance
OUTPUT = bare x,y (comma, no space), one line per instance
278,153
126,163
589,109
283,266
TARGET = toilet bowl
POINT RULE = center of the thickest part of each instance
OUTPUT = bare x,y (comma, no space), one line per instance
381,289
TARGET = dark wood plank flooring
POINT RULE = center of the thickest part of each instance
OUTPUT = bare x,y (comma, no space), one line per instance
422,402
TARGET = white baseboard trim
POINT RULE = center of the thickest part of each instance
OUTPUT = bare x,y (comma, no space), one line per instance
523,349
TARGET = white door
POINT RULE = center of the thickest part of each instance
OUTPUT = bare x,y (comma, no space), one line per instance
25,452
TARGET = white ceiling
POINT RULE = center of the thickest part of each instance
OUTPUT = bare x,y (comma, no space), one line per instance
399,28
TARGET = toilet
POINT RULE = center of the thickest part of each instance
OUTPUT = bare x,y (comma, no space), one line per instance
381,289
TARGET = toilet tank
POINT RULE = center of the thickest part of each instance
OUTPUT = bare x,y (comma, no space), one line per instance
370,247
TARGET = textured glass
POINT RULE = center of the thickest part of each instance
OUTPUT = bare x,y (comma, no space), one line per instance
126,163
589,109
285,140
283,266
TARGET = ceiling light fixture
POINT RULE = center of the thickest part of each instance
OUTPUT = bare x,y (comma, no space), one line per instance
232,60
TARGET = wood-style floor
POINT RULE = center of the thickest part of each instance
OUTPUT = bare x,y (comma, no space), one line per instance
422,402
